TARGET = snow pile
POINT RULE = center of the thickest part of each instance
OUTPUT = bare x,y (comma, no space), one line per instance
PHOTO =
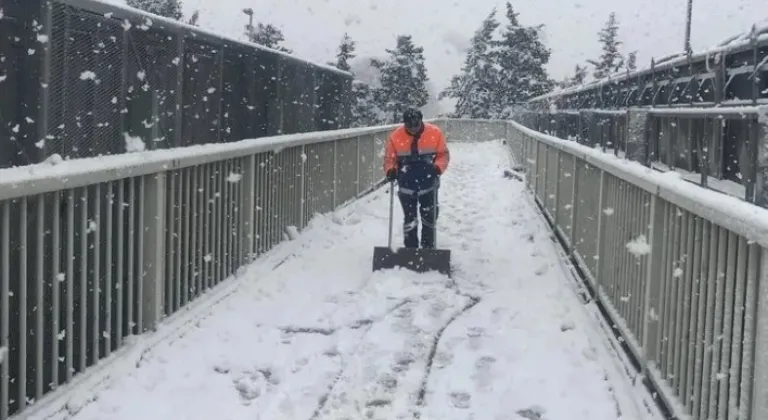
316,335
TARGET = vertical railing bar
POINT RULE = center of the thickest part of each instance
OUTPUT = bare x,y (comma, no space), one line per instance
207,228
737,340
748,366
21,378
673,295
96,292
193,222
693,316
139,292
218,223
131,254
711,287
230,192
180,281
172,234
663,280
722,412
83,321
39,296
5,315
202,230
69,334
701,315
120,281
108,272
186,246
55,290
722,265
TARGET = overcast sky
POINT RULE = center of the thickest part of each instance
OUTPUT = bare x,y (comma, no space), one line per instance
314,27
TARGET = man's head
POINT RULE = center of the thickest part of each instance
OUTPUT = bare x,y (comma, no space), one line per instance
412,120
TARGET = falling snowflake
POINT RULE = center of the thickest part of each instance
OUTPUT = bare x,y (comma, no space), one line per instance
639,246
234,177
87,75
133,144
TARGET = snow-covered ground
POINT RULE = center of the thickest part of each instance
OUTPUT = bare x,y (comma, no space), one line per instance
321,337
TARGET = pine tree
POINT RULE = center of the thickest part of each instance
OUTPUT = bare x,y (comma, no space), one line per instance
364,110
166,8
346,53
267,35
194,19
403,79
610,61
632,61
522,58
473,87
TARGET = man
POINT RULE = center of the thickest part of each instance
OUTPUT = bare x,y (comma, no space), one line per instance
416,155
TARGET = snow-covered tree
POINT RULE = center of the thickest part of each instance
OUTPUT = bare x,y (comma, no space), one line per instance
611,60
403,78
166,8
345,53
365,112
578,78
473,87
267,35
521,57
194,19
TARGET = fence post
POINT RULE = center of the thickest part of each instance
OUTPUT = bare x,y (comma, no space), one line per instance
153,253
761,169
637,128
247,215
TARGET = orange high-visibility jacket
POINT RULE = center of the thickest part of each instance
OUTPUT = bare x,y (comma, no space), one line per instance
431,147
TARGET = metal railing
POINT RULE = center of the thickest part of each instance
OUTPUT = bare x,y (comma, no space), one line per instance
93,251
679,270
109,247
716,148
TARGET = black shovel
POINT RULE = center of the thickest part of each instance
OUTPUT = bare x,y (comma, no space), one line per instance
415,259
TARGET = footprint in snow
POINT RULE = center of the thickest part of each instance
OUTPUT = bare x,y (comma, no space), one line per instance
532,413
460,399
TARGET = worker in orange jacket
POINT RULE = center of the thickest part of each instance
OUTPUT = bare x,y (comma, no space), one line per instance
416,155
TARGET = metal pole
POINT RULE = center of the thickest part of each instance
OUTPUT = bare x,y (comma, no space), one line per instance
689,12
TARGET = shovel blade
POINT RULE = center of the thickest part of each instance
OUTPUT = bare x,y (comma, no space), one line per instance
415,259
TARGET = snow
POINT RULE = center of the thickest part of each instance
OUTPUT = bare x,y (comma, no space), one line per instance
318,336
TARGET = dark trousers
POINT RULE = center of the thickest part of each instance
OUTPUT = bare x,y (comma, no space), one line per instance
426,206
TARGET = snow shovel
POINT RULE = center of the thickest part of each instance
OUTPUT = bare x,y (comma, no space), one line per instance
416,259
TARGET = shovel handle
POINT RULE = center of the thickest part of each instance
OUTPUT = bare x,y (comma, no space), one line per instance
391,209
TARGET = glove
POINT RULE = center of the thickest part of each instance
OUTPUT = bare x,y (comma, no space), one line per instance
391,175
438,171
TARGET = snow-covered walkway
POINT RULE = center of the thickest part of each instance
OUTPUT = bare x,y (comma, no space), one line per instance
321,337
